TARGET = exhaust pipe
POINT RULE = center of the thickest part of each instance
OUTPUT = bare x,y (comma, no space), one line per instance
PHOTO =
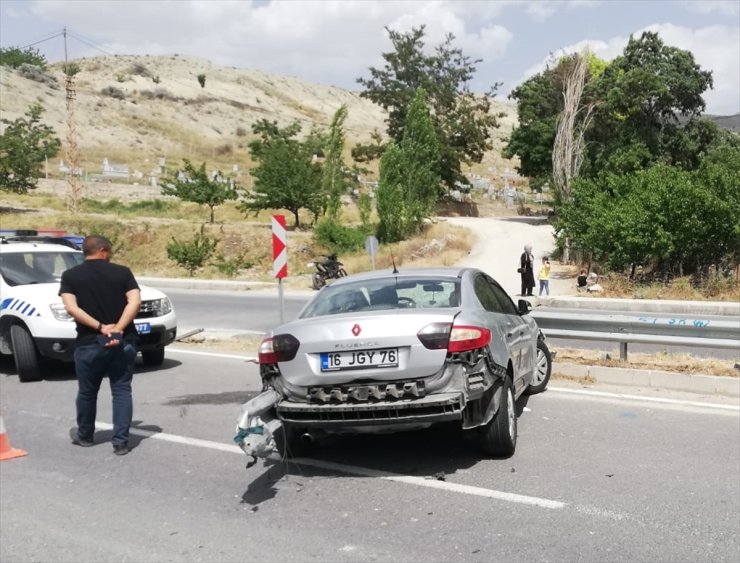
307,438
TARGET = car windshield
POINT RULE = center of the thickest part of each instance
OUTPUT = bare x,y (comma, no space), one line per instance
378,294
22,268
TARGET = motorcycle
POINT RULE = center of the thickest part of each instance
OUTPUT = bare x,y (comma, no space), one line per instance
328,269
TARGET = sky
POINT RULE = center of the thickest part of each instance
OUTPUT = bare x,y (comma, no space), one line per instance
334,42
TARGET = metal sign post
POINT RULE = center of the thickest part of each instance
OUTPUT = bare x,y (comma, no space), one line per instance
371,246
280,257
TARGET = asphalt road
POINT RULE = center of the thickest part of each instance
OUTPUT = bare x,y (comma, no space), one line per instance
595,478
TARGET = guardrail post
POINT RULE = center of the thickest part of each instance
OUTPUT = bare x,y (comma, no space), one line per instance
623,351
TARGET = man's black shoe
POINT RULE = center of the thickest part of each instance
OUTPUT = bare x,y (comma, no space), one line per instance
77,441
121,449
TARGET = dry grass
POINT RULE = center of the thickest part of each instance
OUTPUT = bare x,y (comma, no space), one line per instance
140,237
662,361
679,289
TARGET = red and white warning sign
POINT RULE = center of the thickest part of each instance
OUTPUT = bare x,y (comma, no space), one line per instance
279,247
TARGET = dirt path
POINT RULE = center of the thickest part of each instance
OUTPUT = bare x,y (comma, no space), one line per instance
501,242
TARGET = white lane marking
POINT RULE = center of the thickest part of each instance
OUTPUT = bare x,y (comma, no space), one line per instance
352,470
211,354
432,483
232,449
661,400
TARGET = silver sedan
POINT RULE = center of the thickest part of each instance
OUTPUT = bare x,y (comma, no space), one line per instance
389,351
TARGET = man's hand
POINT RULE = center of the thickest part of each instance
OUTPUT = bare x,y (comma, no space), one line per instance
114,337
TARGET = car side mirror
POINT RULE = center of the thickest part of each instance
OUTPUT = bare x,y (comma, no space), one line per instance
524,307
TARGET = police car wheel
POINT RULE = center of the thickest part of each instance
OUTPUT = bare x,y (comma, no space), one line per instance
153,357
25,355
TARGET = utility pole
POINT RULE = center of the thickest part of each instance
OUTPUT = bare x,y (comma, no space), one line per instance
74,191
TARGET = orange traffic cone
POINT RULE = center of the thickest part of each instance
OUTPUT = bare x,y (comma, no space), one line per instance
6,452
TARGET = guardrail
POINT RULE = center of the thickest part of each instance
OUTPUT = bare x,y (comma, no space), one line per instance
626,329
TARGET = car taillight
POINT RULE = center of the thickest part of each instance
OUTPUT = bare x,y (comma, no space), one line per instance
464,338
279,348
435,336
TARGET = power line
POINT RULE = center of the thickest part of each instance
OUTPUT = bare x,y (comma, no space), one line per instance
43,38
90,43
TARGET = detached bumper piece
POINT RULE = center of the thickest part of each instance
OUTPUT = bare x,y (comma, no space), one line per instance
432,408
257,426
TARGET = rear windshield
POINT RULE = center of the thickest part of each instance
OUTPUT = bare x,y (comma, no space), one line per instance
22,268
385,294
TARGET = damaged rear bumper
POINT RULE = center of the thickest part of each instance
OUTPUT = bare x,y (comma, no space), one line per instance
434,408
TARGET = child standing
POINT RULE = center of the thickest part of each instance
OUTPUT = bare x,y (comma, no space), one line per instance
544,276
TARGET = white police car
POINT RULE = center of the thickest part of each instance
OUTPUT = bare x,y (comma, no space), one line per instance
33,322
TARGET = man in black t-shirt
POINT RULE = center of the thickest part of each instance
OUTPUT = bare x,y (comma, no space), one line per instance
103,299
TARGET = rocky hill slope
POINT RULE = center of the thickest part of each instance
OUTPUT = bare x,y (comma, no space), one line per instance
137,109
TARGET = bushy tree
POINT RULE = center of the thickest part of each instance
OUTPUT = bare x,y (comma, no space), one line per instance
15,57
197,187
665,217
646,108
25,144
192,254
462,120
649,96
285,177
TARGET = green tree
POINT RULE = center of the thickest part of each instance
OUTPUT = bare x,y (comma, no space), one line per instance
650,96
334,173
647,104
664,217
389,195
539,105
421,154
285,177
462,120
24,145
197,187
193,254
15,57
370,151
409,175
202,80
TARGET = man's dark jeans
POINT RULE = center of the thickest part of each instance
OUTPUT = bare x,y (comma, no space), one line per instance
92,363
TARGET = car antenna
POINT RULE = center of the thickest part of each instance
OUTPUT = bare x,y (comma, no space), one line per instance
395,270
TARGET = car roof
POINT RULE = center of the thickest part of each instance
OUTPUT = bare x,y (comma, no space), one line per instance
39,246
441,272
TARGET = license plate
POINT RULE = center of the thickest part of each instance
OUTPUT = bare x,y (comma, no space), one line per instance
359,359
143,328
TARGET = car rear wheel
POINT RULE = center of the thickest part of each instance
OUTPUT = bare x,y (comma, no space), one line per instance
498,437
153,357
542,369
25,355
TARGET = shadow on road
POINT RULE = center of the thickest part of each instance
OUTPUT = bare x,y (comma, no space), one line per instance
225,398
433,453
104,436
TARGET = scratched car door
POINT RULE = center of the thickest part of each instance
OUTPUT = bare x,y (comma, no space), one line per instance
526,342
510,325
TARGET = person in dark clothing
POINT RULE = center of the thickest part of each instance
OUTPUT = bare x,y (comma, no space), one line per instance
582,281
526,270
103,299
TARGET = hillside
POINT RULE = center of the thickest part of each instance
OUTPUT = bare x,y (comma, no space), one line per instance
136,109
